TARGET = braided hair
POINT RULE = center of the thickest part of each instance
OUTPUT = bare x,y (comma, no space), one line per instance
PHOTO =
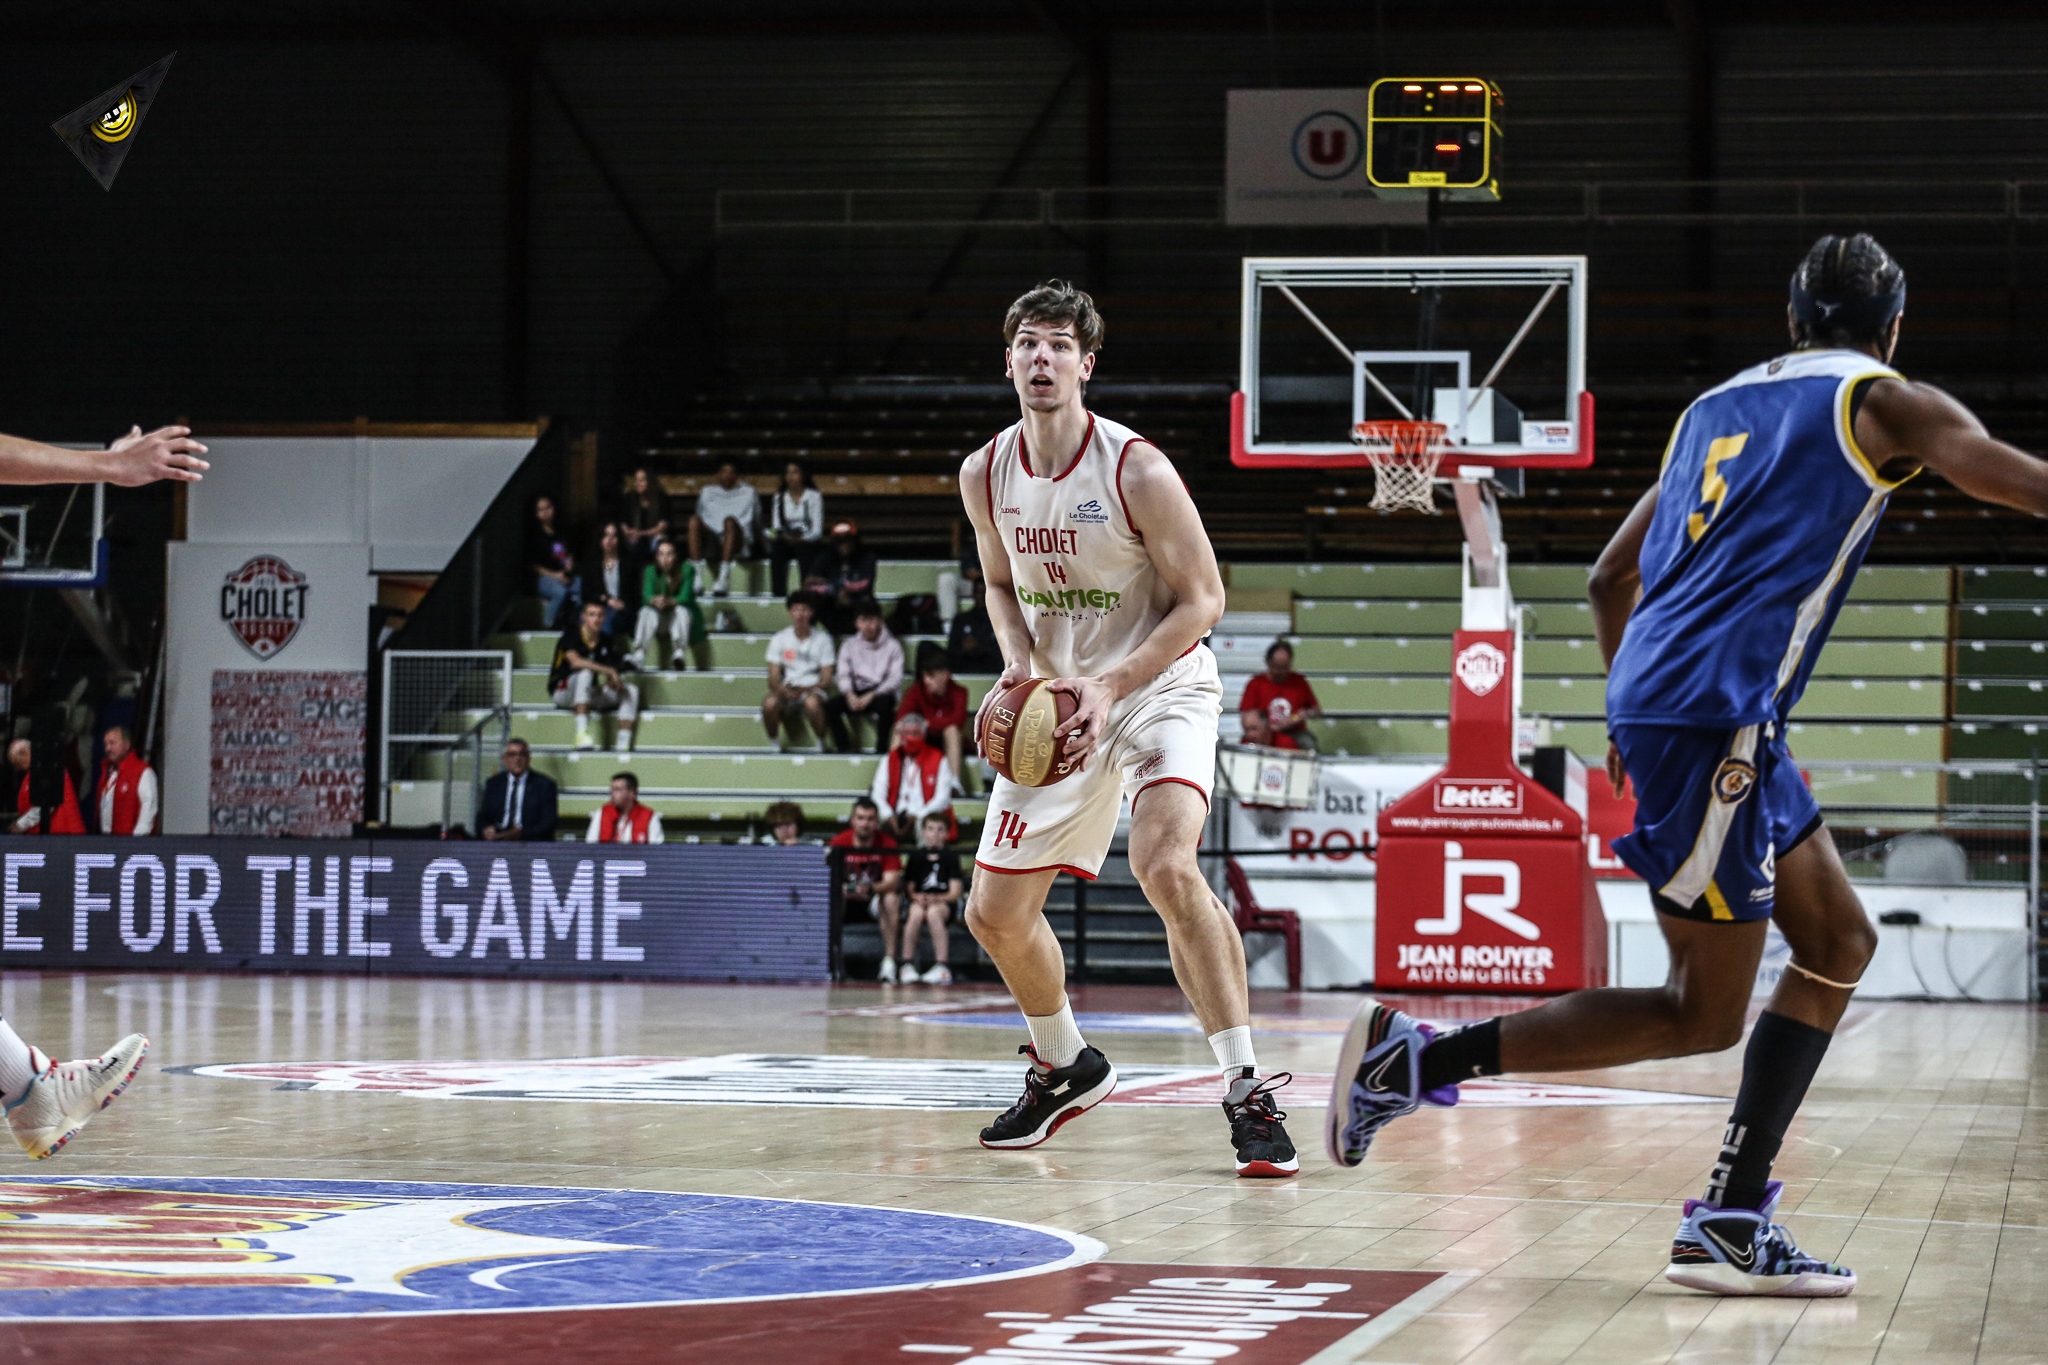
1846,292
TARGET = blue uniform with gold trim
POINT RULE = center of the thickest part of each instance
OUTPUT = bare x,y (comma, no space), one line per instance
1765,509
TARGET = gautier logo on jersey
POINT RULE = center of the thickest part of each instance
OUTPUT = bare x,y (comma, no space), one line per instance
264,603
1480,667
1069,598
1499,796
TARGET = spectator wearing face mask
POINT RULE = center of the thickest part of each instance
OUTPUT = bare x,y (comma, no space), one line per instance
913,781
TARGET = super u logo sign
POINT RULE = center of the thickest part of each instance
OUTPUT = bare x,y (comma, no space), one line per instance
1328,145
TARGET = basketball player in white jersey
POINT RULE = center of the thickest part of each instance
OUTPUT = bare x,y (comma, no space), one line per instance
1101,578
47,1102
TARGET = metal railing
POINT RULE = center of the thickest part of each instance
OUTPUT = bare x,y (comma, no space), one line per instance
426,694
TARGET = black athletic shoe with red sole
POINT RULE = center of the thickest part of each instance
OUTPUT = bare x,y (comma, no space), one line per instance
1053,1097
1263,1147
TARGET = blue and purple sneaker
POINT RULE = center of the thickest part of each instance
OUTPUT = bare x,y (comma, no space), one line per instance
1379,1077
1741,1251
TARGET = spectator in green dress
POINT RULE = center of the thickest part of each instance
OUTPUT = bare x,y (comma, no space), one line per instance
668,593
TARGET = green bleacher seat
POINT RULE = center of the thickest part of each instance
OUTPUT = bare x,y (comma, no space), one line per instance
2002,621
2002,583
1993,739
2001,697
2002,659
1318,654
1374,616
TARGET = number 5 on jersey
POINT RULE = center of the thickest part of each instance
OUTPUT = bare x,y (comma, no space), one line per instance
1713,487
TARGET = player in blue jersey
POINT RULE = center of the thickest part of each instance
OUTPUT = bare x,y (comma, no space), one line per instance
1711,605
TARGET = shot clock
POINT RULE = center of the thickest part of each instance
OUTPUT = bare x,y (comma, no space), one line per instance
1437,133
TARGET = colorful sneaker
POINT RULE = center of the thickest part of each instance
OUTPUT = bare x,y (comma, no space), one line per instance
1263,1147
1741,1251
1051,1099
65,1095
1379,1077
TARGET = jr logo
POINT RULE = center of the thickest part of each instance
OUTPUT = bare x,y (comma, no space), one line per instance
1497,906
1009,826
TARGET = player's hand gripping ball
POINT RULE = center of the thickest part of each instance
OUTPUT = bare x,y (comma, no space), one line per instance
1016,733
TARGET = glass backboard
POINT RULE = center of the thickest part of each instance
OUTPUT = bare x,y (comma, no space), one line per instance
1493,347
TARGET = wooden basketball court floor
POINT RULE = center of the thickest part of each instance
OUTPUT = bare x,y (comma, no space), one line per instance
1542,1227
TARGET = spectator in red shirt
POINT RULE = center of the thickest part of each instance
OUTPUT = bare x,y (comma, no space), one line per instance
943,704
871,869
67,819
1284,697
1259,730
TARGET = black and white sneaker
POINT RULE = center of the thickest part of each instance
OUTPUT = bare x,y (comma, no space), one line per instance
1263,1148
1052,1097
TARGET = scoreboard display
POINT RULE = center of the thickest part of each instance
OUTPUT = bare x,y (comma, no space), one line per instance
1438,133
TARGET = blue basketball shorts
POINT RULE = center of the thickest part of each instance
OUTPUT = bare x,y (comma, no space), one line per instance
1715,810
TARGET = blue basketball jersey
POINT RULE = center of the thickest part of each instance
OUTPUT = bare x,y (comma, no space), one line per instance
1764,510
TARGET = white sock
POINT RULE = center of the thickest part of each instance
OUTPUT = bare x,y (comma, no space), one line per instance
16,1070
1233,1049
1055,1037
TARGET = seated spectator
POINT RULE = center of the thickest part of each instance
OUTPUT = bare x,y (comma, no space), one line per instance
623,820
796,528
1259,730
1285,696
128,788
610,580
554,568
726,510
943,704
669,609
849,574
933,881
65,820
869,677
870,872
643,518
785,821
800,666
971,640
589,675
912,782
518,803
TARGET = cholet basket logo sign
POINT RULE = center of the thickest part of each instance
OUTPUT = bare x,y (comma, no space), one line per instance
113,1247
264,604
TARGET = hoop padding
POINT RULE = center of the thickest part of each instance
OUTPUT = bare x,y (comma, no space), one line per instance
1404,457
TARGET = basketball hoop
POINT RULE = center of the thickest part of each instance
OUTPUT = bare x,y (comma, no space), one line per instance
1404,457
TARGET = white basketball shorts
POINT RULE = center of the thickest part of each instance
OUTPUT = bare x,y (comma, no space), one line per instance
1166,732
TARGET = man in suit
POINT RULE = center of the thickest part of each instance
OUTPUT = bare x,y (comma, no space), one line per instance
518,802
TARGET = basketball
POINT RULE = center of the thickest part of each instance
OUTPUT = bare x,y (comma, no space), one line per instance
1017,733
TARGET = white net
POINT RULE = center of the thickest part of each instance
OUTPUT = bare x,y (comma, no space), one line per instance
1404,457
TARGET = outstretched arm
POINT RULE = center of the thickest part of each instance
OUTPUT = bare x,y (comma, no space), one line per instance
1163,513
133,460
1903,426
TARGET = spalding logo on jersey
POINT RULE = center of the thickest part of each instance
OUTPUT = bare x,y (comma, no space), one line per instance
1480,667
1089,511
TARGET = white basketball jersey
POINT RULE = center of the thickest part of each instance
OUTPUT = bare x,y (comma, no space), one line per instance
1088,587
